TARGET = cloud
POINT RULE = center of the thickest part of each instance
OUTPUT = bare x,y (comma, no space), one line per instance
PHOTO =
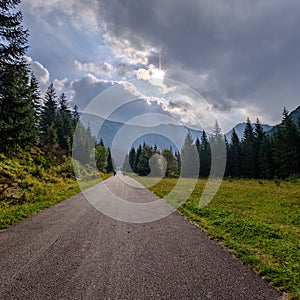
40,72
117,71
247,50
86,88
81,14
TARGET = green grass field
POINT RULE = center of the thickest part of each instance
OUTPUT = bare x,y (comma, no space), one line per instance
259,221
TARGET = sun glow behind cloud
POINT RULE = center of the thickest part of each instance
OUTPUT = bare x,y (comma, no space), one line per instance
157,74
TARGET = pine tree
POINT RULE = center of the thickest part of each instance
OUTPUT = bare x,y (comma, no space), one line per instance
218,151
287,142
48,124
132,160
65,129
101,157
189,158
143,167
110,164
205,155
83,144
137,157
235,156
267,163
75,115
35,95
259,136
172,165
17,122
247,149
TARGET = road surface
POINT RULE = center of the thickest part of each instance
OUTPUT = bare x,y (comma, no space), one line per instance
72,251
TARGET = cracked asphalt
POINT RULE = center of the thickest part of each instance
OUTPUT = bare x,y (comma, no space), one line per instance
73,251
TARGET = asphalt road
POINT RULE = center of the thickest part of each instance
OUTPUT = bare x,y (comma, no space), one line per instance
72,251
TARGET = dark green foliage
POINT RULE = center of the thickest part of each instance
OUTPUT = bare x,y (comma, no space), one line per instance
172,165
218,152
234,156
101,157
49,122
247,149
132,161
143,167
65,127
287,147
189,158
83,144
205,155
110,164
17,123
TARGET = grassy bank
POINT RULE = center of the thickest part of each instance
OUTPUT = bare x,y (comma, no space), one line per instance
257,220
34,180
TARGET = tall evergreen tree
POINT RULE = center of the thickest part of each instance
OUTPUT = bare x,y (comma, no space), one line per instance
235,155
17,122
110,164
267,163
172,165
218,151
48,124
259,136
247,150
65,124
143,167
205,155
132,160
189,158
35,95
287,142
137,157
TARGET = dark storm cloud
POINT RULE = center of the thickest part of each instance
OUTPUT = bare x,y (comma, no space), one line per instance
235,52
87,88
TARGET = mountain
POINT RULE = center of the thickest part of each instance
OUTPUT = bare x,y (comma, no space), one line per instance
295,115
121,137
240,128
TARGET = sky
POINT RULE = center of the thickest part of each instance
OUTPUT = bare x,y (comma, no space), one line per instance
242,57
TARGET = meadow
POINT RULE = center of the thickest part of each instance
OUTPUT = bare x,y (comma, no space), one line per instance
257,220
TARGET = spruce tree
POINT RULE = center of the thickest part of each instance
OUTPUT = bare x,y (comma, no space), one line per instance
17,121
110,164
35,95
205,155
259,136
65,129
172,165
235,155
247,150
48,125
287,141
132,159
189,158
218,151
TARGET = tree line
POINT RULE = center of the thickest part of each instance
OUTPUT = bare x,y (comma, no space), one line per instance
257,154
265,155
27,118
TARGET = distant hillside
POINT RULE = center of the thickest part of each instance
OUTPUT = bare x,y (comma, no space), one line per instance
295,114
163,136
240,128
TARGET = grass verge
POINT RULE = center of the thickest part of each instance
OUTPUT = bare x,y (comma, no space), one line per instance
33,181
